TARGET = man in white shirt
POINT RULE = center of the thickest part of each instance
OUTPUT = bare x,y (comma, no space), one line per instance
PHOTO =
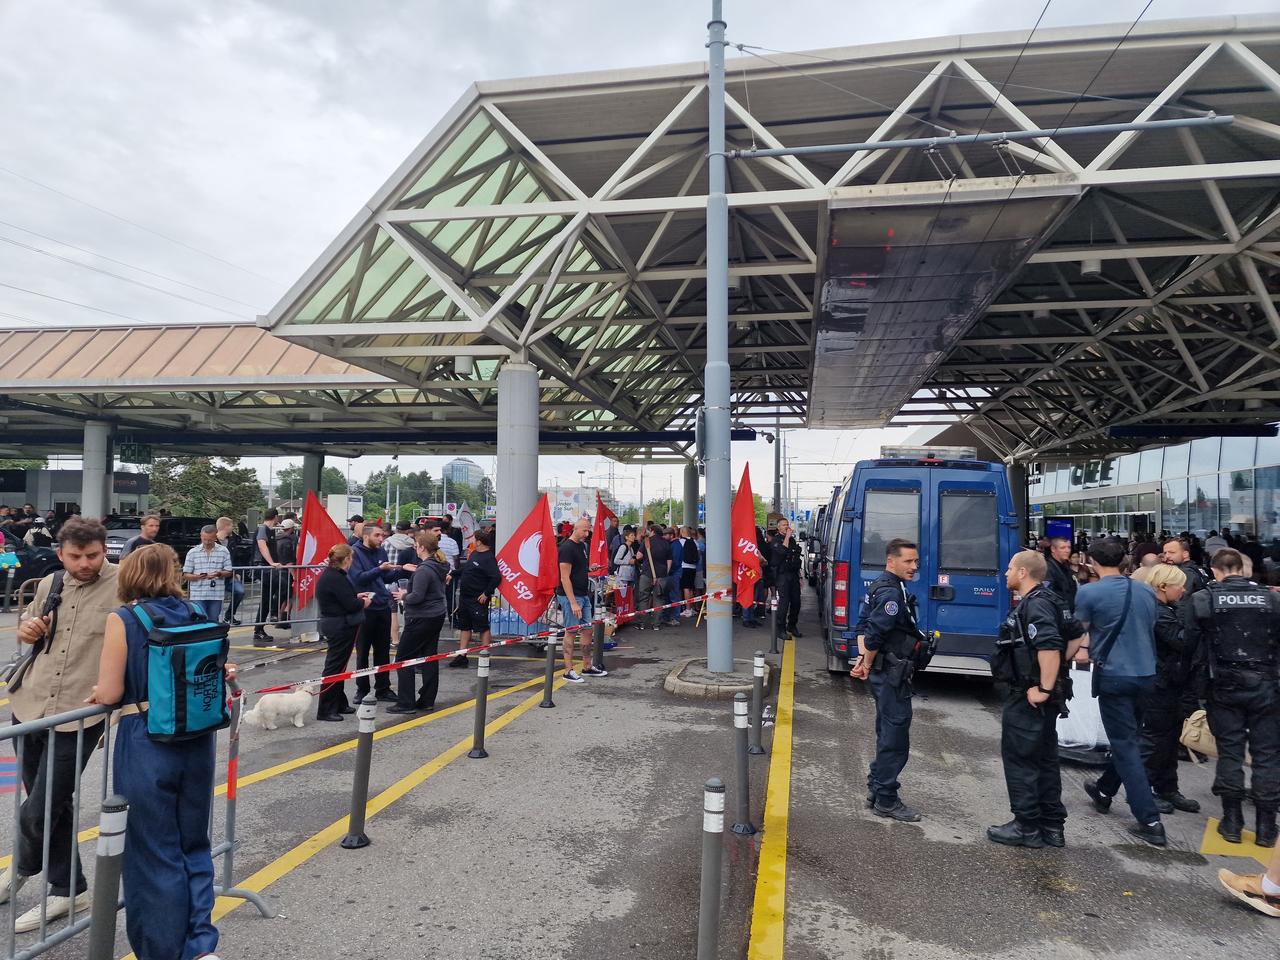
205,569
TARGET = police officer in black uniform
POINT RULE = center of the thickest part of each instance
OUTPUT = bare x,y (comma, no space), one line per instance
1239,624
891,648
1028,665
784,561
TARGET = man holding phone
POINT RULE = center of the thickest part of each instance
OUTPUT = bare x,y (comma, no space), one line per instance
205,569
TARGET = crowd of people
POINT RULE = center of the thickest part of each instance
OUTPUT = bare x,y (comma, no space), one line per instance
29,525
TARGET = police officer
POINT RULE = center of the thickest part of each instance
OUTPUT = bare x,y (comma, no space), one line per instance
1028,666
784,560
888,644
1239,624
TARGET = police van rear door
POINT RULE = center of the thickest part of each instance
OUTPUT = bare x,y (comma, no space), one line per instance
887,507
963,578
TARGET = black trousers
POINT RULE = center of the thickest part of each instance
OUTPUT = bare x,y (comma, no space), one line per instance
788,586
374,637
1244,709
420,638
1162,718
893,736
1029,751
37,757
337,655
269,602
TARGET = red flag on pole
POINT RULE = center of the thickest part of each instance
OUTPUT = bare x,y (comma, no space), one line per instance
598,564
529,564
746,554
319,535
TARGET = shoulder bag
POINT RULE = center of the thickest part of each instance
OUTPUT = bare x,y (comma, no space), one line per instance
16,669
1105,645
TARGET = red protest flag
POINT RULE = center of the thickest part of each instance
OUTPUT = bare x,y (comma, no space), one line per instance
746,554
319,535
598,564
529,564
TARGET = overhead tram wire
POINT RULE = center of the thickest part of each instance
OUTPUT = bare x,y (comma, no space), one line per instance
125,263
117,276
75,303
139,226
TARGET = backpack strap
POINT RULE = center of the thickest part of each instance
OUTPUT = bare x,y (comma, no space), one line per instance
144,617
197,611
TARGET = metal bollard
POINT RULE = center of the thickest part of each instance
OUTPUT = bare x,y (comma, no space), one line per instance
106,878
712,861
773,624
742,827
597,645
367,717
548,677
757,707
478,752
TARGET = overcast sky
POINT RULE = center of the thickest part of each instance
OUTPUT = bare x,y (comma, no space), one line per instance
225,144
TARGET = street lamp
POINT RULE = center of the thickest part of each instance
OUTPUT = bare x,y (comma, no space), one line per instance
582,493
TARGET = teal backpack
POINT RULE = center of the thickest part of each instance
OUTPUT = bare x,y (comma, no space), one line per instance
186,683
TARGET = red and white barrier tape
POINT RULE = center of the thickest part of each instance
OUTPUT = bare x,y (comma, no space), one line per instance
546,634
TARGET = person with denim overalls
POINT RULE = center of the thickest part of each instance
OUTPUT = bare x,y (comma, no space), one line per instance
168,869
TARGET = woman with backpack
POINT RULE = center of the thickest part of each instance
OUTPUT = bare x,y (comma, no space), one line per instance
167,776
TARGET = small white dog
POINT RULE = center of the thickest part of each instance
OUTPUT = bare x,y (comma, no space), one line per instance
272,708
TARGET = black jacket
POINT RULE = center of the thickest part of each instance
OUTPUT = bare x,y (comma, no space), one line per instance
478,575
340,608
1062,581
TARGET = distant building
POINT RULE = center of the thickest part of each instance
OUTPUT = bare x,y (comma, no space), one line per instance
463,471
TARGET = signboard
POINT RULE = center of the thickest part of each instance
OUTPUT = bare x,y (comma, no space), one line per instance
571,503
134,453
1064,528
451,509
702,513
130,483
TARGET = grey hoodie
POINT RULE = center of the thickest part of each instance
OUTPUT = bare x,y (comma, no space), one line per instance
425,598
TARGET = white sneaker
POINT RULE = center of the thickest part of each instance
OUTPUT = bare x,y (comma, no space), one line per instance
6,878
573,677
57,907
688,614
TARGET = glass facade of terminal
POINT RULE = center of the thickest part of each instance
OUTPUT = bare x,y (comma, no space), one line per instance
1213,483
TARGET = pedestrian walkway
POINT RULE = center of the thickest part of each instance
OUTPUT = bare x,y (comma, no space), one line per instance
857,886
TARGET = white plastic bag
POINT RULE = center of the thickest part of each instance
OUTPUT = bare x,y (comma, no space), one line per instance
1083,728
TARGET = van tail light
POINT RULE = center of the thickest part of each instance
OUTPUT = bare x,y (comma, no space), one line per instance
840,595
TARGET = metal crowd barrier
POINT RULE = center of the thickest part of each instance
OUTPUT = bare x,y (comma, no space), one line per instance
51,932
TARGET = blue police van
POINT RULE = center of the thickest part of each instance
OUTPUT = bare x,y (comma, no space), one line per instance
962,514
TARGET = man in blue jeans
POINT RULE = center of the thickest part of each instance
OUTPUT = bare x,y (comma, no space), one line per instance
1120,616
573,594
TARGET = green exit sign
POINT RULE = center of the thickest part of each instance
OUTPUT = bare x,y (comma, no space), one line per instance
135,453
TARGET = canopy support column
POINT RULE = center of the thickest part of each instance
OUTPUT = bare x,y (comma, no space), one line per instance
95,478
517,445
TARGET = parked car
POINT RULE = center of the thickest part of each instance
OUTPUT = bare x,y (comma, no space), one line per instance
181,533
34,562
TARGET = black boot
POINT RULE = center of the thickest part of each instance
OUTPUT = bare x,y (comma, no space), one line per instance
1265,834
1015,833
1232,820
1178,802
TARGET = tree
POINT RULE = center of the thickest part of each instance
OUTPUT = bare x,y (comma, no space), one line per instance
413,486
289,482
488,494
35,463
204,487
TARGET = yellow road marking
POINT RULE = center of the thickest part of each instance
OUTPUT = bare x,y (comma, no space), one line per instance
304,851
91,833
1213,844
769,911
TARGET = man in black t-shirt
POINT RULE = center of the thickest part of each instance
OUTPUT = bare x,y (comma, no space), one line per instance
573,593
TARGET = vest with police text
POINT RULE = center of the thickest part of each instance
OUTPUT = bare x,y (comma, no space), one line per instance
1242,627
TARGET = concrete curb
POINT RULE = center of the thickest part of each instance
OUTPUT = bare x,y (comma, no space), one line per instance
698,690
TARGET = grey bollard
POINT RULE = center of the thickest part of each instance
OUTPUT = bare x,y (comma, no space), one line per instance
597,645
478,752
712,863
773,624
742,826
548,678
366,715
106,878
757,706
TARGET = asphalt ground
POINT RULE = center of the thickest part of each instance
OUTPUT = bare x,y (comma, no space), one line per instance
859,886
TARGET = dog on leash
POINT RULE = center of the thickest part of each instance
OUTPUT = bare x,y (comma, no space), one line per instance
274,708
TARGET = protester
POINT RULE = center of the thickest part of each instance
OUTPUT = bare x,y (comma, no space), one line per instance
575,602
341,612
68,634
400,545
371,571
204,569
688,569
1259,890
149,529
287,554
264,542
671,616
167,871
624,561
477,581
654,558
356,525
1120,617
424,613
1060,576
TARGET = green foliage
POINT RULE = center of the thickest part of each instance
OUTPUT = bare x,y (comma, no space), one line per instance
413,486
204,487
487,493
289,482
35,463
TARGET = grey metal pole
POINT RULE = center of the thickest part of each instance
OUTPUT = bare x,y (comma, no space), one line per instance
742,826
777,467
367,717
548,677
715,391
712,863
757,706
597,629
478,752
773,622
8,589
106,878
